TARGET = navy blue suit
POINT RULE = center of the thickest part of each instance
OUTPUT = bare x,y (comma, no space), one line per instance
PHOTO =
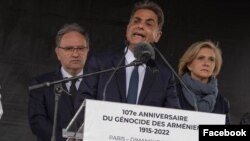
158,88
41,108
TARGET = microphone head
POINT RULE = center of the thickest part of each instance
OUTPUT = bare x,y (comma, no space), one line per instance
143,52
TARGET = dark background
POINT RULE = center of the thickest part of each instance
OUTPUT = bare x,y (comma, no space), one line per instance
28,29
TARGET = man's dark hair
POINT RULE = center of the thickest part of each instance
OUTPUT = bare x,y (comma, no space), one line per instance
150,6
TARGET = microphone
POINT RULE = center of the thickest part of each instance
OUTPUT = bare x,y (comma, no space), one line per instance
176,75
144,52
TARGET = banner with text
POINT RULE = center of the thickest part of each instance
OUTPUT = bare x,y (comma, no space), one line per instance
111,121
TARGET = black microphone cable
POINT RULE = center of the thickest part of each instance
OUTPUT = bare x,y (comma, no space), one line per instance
175,74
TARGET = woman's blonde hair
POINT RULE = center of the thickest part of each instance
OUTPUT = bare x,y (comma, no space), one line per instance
192,52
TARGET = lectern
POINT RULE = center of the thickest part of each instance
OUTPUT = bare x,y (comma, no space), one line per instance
74,129
108,121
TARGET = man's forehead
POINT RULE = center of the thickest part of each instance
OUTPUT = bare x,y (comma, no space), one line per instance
145,14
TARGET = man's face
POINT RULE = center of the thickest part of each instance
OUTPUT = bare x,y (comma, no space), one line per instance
143,27
72,52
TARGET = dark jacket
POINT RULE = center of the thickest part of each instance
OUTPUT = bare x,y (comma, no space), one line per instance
221,105
158,89
41,108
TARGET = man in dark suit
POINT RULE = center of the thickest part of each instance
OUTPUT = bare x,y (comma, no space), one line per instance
72,47
155,88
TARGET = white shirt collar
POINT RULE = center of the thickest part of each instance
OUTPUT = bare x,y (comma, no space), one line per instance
65,74
129,57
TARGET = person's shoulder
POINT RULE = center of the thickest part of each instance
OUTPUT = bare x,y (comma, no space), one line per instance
223,99
163,68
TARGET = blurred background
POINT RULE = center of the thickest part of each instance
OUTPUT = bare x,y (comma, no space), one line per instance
27,42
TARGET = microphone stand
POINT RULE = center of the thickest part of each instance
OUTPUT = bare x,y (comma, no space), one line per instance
47,84
112,75
58,90
176,75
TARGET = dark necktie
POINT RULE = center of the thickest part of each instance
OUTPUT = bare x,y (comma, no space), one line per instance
133,86
73,89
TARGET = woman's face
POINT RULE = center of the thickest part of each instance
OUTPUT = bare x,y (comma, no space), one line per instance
202,67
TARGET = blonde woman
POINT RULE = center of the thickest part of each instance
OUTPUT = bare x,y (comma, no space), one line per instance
198,68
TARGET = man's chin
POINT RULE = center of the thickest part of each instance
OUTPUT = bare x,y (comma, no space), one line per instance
76,67
137,40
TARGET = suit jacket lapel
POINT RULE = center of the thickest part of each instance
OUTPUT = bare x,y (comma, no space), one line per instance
147,83
120,75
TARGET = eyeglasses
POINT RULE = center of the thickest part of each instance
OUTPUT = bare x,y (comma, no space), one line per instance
71,49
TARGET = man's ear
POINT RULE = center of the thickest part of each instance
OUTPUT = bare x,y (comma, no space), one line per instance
57,53
157,36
